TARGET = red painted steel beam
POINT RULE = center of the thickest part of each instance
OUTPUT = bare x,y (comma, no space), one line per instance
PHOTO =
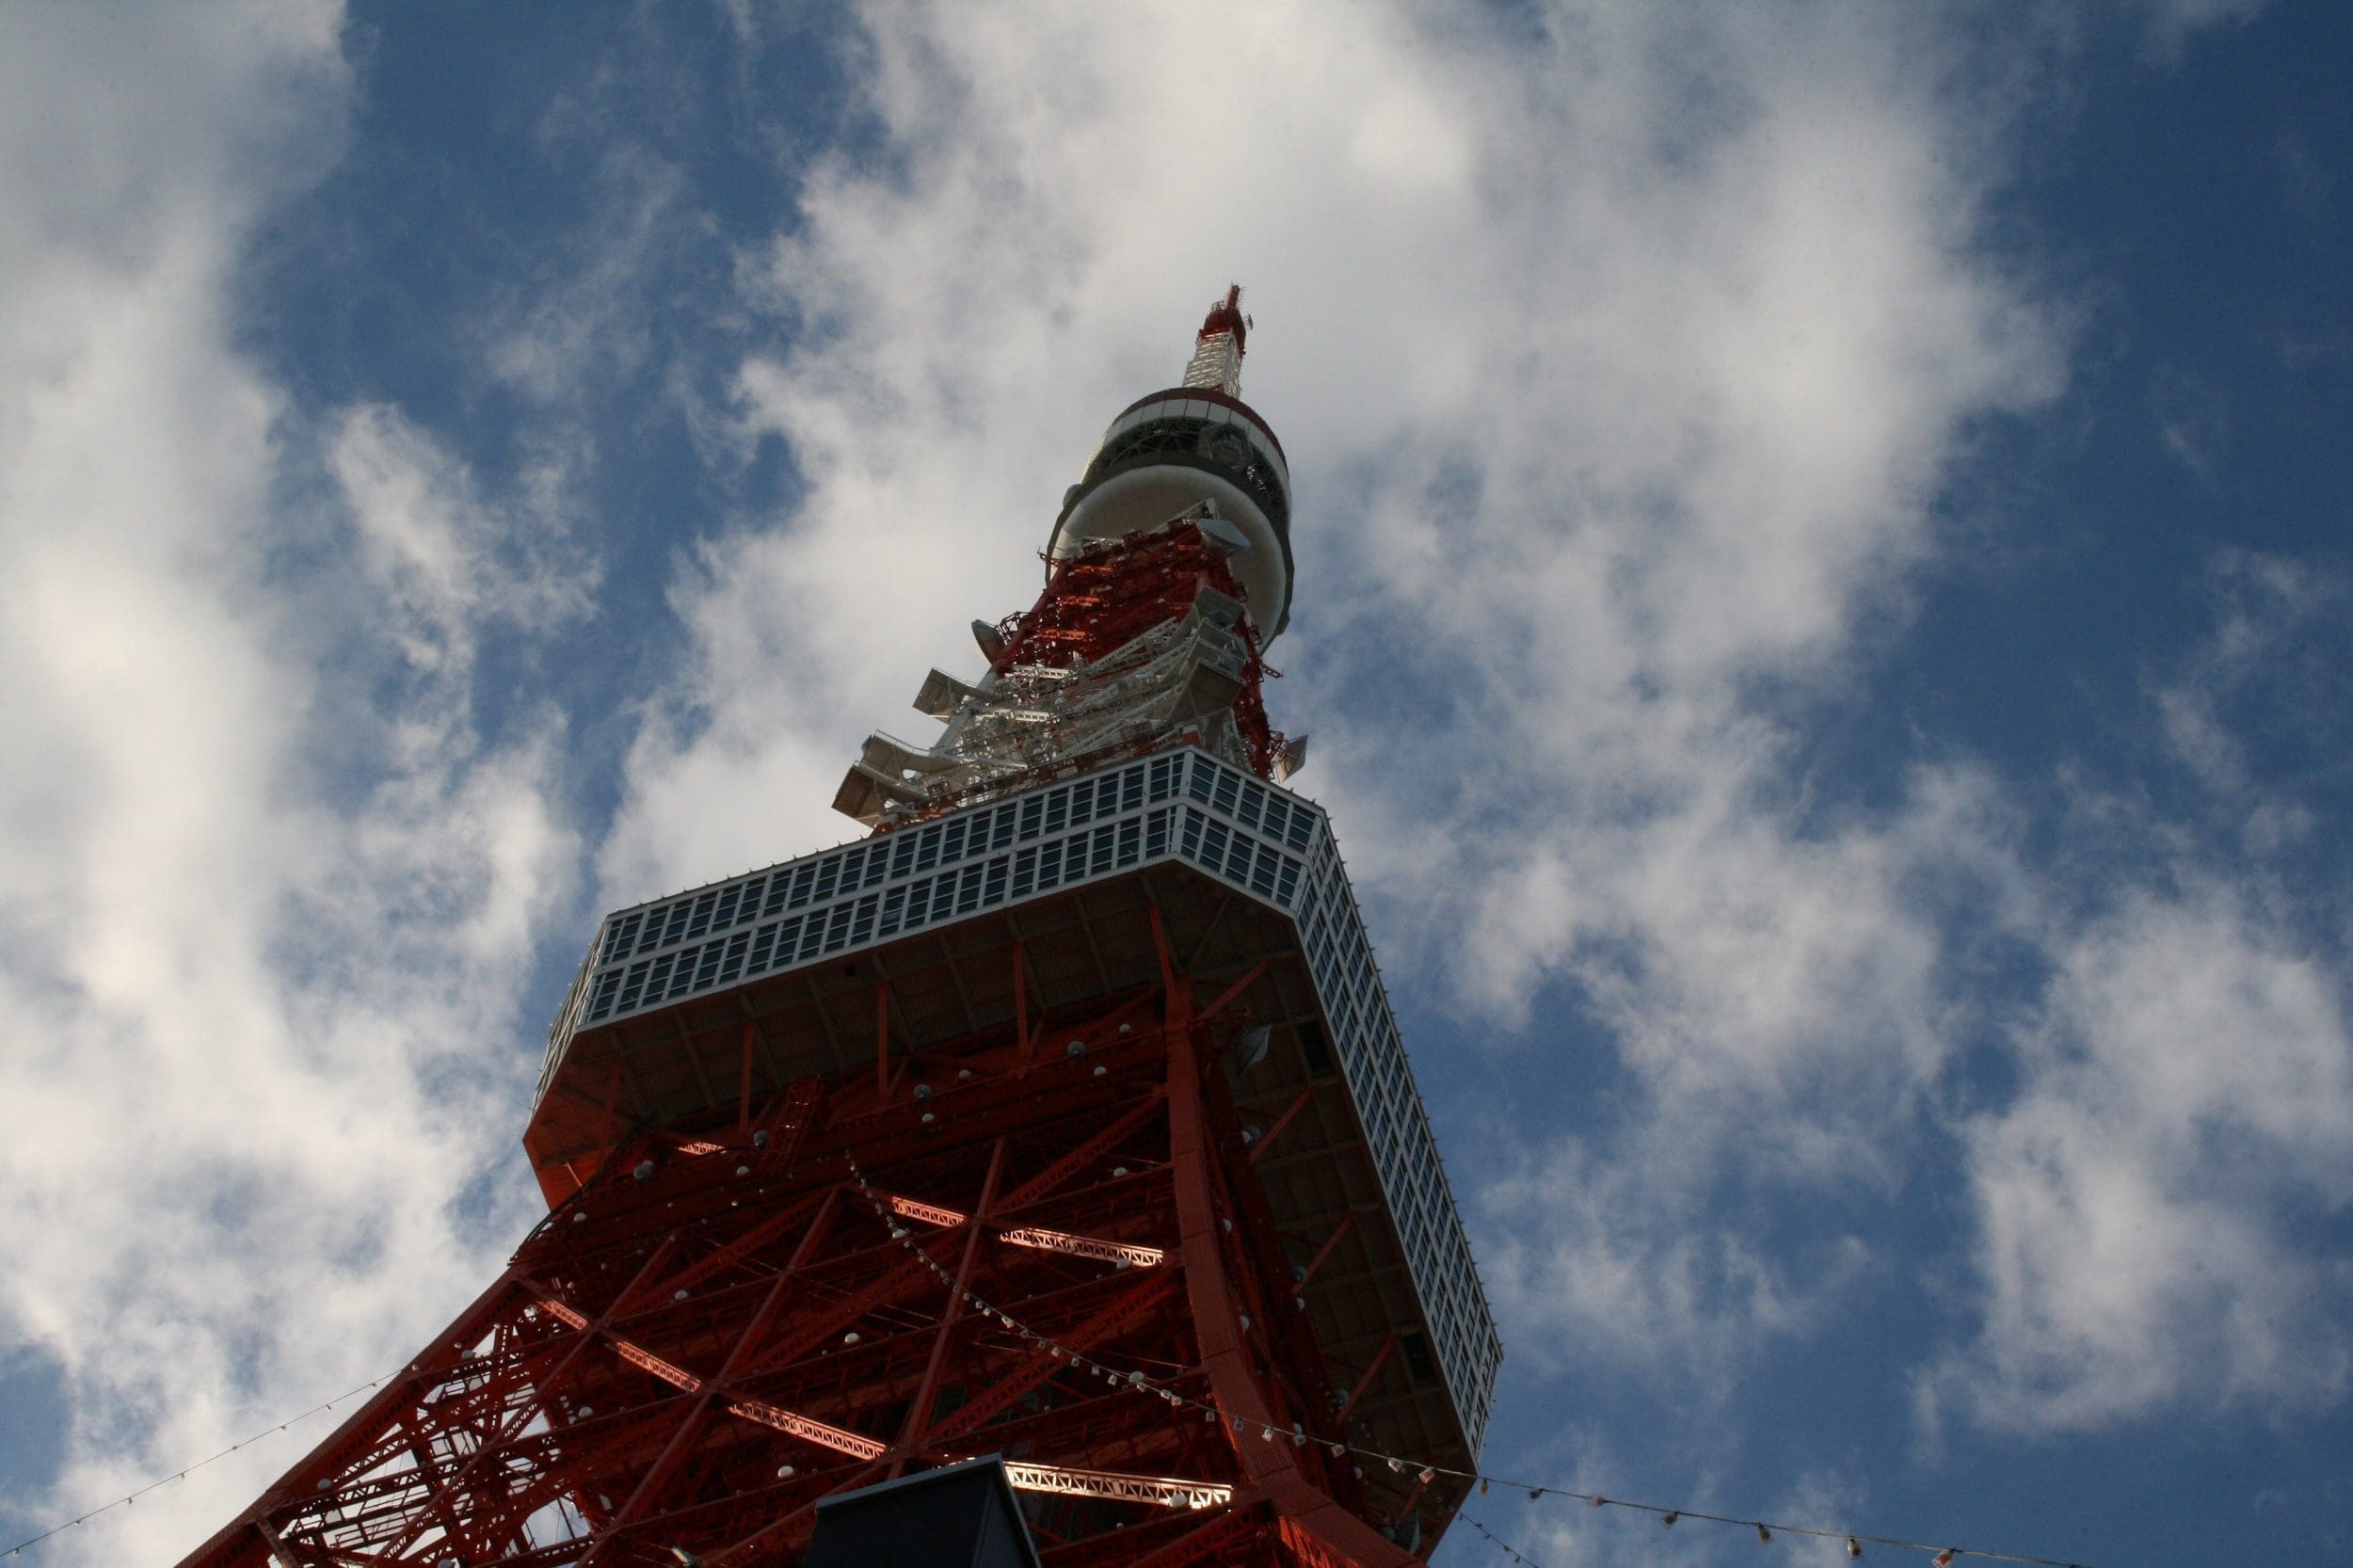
1249,979
1324,1251
920,1409
1291,1113
744,1098
1371,1371
1012,1386
662,1348
1270,1465
1021,1005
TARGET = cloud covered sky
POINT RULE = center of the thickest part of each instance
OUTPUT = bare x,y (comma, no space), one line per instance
1823,594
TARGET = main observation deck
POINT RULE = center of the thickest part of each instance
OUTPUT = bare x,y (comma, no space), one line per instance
1248,881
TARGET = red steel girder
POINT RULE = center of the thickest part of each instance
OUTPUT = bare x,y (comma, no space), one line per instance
712,1334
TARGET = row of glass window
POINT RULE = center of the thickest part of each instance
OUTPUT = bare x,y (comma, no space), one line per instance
1252,803
1340,958
1212,441
619,986
910,852
798,939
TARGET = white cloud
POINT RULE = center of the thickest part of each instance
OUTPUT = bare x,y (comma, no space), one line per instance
1621,362
576,322
1619,1272
268,892
440,560
1786,1010
1555,1530
2268,675
2151,1208
2190,1096
1619,359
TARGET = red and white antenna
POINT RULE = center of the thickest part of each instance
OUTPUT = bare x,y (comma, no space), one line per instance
1186,446
1168,572
1217,352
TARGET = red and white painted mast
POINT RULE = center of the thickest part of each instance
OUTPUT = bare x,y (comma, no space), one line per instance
1168,571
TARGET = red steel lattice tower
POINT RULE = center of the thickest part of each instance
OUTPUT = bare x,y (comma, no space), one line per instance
1062,1118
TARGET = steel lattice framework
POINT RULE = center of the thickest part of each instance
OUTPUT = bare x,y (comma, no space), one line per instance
1135,644
720,1329
956,1142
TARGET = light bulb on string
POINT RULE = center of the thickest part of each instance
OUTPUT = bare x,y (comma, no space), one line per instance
1762,1533
1854,1547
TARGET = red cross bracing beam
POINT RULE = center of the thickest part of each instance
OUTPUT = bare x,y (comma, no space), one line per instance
716,1331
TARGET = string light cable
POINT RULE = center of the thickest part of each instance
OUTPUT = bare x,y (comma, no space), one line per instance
1136,1382
185,1470
1940,1556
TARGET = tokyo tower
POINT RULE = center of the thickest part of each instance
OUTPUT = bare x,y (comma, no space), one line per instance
1062,1118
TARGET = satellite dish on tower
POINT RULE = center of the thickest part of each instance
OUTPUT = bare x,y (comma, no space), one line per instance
992,642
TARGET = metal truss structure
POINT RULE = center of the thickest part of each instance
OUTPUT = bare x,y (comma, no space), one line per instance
737,1317
956,1142
1137,645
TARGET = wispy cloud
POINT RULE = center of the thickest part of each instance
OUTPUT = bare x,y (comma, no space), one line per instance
1616,471
270,892
2149,1206
2189,1097
1637,418
1624,354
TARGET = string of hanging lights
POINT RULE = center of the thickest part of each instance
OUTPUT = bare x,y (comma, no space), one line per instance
1943,1556
1134,1380
185,1470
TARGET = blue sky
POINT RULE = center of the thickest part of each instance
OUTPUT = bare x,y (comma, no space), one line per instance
1823,592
